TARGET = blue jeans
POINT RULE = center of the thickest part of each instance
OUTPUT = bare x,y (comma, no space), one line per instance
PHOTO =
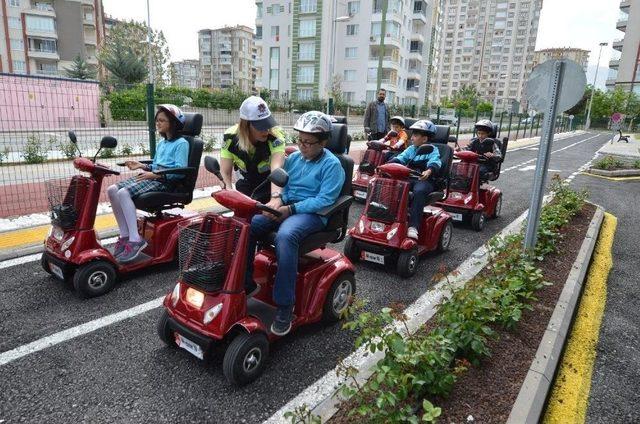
291,232
420,189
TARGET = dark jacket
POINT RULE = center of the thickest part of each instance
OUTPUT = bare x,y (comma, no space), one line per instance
371,118
485,146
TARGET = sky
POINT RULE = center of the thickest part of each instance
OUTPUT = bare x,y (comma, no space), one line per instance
563,23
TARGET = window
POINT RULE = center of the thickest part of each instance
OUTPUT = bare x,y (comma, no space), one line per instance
352,29
274,56
40,23
308,6
349,75
14,3
348,96
306,74
275,31
17,44
19,66
274,75
45,46
305,94
307,51
351,52
15,23
353,7
259,10
258,32
307,28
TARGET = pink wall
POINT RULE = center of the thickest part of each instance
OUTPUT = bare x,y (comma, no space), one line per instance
46,103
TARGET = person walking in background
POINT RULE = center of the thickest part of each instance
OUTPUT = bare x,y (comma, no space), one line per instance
376,117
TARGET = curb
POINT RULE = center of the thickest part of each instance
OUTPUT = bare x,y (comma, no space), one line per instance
537,384
614,173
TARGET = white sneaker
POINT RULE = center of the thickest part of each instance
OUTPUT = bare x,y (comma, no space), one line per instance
412,233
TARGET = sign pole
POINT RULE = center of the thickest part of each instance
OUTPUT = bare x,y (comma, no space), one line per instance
544,154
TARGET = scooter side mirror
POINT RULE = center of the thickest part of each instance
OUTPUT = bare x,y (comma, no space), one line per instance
425,149
72,137
453,139
279,177
108,142
212,165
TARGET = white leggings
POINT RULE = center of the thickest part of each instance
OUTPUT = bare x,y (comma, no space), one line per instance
125,212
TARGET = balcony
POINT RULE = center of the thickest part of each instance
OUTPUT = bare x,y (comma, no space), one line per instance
416,36
41,9
389,40
618,44
625,5
414,73
88,20
614,64
621,25
44,54
415,54
419,16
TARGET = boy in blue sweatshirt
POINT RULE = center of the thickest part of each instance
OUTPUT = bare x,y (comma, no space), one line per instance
428,165
315,181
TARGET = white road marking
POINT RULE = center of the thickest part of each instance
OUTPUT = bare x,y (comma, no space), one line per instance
532,167
77,331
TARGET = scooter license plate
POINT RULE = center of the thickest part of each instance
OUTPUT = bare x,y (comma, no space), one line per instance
373,257
456,216
189,346
56,270
360,194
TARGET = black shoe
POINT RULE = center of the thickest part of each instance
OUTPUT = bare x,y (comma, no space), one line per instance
251,288
282,324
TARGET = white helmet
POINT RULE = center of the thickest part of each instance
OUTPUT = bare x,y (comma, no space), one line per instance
424,126
484,124
314,122
399,119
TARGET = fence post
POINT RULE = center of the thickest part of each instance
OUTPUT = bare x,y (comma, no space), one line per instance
438,116
500,126
151,120
413,111
474,123
524,133
510,120
531,129
538,124
459,116
518,127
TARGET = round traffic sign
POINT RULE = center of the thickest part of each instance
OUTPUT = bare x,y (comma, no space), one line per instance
616,117
574,82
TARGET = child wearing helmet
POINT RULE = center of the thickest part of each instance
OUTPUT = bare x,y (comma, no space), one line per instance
427,164
171,152
397,139
486,146
315,181
254,147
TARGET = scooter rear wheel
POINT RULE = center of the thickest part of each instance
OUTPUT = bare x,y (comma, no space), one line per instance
351,251
445,237
245,358
498,208
477,221
407,263
339,297
94,279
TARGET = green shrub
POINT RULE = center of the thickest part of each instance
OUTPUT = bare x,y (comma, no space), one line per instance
35,150
210,143
608,163
636,163
4,155
126,150
144,148
107,153
68,149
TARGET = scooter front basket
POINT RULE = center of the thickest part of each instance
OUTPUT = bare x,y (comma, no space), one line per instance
462,174
66,199
206,250
384,199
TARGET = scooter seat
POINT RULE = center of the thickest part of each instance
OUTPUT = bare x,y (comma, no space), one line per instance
155,200
311,242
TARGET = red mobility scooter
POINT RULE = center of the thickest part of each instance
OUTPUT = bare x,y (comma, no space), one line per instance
73,252
372,158
380,234
208,309
470,198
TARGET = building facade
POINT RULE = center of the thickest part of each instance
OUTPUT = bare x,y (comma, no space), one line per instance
226,57
185,73
580,56
311,48
624,72
489,45
42,37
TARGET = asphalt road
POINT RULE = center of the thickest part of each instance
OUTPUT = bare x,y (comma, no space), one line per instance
123,373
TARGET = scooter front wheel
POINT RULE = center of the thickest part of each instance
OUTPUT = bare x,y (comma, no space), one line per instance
94,279
245,358
407,263
164,331
339,297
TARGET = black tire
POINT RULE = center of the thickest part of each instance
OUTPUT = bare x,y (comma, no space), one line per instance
477,221
245,358
94,279
498,209
407,263
351,251
45,264
164,331
339,297
445,237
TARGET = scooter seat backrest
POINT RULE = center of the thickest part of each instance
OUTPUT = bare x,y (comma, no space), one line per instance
442,134
446,158
407,124
338,140
340,120
192,125
494,133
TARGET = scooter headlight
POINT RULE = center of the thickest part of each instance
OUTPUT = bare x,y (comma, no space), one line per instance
361,226
391,234
194,297
175,295
377,227
211,314
67,243
57,233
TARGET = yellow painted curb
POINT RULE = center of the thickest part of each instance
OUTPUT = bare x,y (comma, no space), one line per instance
570,393
35,235
611,178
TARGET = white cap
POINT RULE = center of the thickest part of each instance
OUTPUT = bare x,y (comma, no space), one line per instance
256,111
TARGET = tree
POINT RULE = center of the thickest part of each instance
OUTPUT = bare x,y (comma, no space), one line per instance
466,95
125,67
133,36
80,69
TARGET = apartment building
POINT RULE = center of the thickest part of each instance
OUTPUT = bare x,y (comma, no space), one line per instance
488,44
185,73
226,57
624,72
580,56
42,37
308,45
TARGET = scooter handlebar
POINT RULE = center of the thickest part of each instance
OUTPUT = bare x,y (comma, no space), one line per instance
266,208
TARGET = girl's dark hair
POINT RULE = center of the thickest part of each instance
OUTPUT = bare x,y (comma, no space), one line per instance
173,125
